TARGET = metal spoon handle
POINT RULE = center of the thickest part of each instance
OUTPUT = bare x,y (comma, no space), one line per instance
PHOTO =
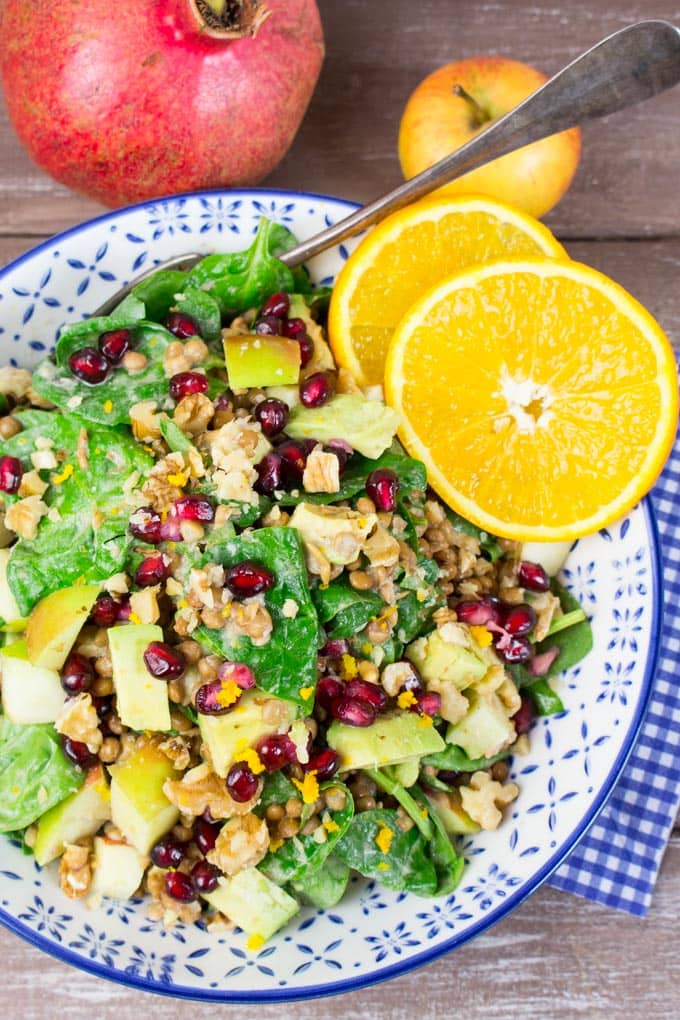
625,68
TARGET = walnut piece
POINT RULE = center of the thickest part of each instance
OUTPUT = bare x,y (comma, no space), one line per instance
200,790
14,381
32,485
322,472
145,421
178,751
483,798
381,548
252,618
24,516
546,606
194,413
75,874
454,704
144,604
242,843
79,721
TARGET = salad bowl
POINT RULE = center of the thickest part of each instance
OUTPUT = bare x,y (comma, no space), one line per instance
575,757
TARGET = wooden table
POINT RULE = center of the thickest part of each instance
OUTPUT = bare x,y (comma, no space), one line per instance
556,956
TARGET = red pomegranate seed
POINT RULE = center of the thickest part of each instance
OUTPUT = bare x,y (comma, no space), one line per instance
124,610
269,475
335,648
272,415
170,529
293,456
382,486
208,702
180,887
114,344
225,401
342,450
517,649
78,753
167,853
204,875
163,661
325,764
429,703
276,750
185,383
145,524
11,473
519,619
353,712
478,614
88,365
532,576
365,691
77,675
248,578
194,508
205,834
276,304
294,328
306,349
182,325
103,705
242,784
152,570
105,610
316,390
328,690
525,715
241,674
268,325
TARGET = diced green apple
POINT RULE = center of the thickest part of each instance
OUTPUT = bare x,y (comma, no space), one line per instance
391,739
142,699
485,730
78,816
117,870
261,361
244,725
55,622
253,902
10,617
30,694
139,808
455,820
438,659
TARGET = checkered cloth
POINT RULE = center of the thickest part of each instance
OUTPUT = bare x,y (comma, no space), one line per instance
617,861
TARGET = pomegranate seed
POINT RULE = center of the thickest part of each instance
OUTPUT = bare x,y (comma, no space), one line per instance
293,456
519,619
225,401
248,578
78,753
105,610
518,649
532,576
272,415
294,328
124,610
353,712
450,777
194,508
167,853
365,691
179,886
478,614
114,344
163,661
429,703
269,475
185,383
145,523
103,705
89,365
77,676
208,702
382,486
276,750
325,764
277,304
342,450
335,648
204,875
206,834
241,674
328,690
525,715
268,325
11,473
306,349
242,784
316,390
152,570
170,529
182,325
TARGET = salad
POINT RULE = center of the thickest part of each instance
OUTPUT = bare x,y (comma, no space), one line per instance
245,651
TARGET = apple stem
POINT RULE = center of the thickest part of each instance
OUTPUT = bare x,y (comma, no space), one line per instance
479,113
229,19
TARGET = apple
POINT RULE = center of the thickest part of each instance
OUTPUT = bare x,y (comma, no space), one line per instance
78,816
254,360
245,725
117,870
139,808
10,616
459,100
253,902
142,699
30,694
55,623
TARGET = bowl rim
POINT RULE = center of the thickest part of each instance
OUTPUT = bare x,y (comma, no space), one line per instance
509,904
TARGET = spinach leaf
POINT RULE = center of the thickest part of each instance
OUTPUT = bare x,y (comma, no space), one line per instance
344,610
204,310
545,699
277,789
423,598
454,759
447,864
488,543
411,474
404,866
324,887
302,855
173,435
34,773
156,293
287,662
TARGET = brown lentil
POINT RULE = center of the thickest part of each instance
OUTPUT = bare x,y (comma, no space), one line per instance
335,798
180,722
365,803
103,686
294,807
310,825
360,580
103,665
208,666
114,724
191,650
500,771
288,827
109,750
212,618
275,812
9,426
176,691
182,833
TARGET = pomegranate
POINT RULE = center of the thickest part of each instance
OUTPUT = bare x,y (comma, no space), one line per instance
382,486
152,97
532,576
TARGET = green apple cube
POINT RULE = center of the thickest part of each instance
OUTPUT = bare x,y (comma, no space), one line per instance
142,699
327,528
253,902
485,730
367,425
9,610
30,694
139,808
438,659
117,870
449,808
78,816
55,622
253,360
243,726
390,740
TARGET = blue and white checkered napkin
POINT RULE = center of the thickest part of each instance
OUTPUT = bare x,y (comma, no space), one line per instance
617,861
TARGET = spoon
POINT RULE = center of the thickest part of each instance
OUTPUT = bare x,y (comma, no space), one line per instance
627,67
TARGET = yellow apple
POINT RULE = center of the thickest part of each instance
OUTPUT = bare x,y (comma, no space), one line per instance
139,808
55,623
459,100
80,815
261,360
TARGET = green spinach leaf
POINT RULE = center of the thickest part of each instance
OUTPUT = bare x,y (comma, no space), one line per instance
204,310
454,759
34,773
488,543
447,863
324,887
545,699
156,293
343,610
406,865
411,474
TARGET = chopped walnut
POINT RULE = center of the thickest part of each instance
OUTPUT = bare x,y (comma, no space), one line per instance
275,518
24,516
166,480
44,460
202,586
242,843
509,695
547,607
322,472
493,680
346,383
186,621
145,421
144,604
483,798
196,351
32,485
164,907
79,721
380,630
175,360
200,790
14,382
381,548
394,676
454,704
194,413
117,584
75,874
178,750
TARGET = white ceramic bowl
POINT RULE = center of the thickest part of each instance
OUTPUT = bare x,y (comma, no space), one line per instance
574,761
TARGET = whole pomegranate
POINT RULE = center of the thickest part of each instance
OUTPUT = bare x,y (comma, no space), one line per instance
141,98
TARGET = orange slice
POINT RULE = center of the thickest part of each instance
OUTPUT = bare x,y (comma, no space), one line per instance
407,254
541,396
